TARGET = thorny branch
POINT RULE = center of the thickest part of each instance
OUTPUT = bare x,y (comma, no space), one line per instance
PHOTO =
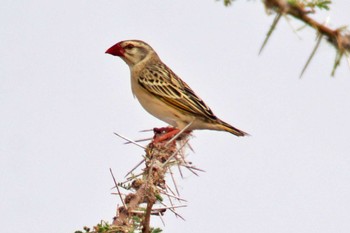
301,10
339,38
146,190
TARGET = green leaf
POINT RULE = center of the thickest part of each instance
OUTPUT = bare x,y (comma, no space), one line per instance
159,197
156,230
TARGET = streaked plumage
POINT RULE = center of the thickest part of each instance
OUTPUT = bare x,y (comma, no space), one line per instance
162,93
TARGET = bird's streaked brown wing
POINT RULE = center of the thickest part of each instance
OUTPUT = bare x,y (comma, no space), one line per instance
163,83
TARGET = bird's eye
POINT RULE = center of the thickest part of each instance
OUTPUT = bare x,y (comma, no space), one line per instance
129,46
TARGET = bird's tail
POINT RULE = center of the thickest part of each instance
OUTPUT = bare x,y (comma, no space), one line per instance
229,128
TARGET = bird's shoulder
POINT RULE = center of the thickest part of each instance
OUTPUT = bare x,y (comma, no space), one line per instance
160,74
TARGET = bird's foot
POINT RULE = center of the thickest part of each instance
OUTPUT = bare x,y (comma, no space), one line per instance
163,130
166,133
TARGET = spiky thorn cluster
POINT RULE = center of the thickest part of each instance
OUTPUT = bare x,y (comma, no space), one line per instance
148,189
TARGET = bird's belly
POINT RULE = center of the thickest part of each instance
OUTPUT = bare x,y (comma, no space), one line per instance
162,111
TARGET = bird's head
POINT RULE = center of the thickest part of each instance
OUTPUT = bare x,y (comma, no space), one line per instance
132,51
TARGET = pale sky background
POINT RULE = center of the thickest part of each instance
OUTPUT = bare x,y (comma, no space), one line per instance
62,97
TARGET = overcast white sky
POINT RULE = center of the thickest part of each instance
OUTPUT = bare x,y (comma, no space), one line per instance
61,99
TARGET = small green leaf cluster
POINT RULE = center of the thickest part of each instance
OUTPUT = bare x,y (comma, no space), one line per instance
102,227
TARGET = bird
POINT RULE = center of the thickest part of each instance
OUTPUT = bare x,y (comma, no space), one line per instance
163,94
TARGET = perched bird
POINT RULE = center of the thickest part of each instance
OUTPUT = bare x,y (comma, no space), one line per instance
162,93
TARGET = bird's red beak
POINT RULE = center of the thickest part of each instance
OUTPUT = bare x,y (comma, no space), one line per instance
116,50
